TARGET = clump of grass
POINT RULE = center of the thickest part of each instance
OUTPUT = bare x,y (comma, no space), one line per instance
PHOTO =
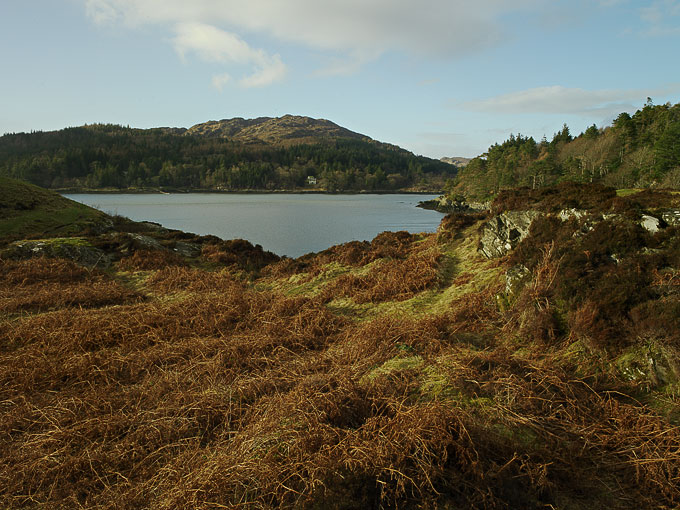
237,252
145,260
394,279
40,284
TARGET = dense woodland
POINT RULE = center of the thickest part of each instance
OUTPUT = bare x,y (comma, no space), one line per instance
110,156
638,151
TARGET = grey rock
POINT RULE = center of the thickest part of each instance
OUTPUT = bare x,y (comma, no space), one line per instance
502,233
189,250
145,242
650,223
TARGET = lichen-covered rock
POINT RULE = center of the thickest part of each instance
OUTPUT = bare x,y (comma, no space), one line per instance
76,249
651,364
515,278
503,232
188,250
142,242
566,214
672,217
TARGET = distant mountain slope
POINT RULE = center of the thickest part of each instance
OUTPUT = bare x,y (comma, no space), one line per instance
285,130
287,153
458,162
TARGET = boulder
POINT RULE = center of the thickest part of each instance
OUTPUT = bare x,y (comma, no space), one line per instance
503,232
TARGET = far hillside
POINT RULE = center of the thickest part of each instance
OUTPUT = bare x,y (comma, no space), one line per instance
638,151
287,153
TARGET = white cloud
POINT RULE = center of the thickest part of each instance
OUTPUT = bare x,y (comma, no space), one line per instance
563,100
217,46
269,71
358,30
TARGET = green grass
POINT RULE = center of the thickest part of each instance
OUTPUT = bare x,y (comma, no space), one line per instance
627,191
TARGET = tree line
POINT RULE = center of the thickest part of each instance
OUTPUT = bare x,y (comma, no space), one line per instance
637,151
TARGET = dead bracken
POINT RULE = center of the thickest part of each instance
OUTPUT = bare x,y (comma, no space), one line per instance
391,374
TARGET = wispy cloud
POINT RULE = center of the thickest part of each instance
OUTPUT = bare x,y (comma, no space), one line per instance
563,100
662,18
220,80
217,46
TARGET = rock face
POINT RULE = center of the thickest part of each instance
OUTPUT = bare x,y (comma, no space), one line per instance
502,233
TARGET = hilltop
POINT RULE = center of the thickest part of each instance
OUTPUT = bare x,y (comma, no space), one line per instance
525,356
286,130
290,153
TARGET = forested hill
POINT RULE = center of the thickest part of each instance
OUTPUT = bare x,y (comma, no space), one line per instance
638,151
262,154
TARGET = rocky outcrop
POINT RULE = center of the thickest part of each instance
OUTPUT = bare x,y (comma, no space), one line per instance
502,233
447,205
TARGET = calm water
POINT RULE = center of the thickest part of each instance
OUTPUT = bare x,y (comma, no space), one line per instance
286,224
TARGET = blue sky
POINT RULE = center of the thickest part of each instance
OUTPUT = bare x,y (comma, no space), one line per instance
437,77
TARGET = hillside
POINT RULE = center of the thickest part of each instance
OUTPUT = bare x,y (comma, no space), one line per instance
522,357
638,151
30,211
261,154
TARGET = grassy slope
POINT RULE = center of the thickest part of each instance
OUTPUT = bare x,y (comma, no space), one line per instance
387,373
29,211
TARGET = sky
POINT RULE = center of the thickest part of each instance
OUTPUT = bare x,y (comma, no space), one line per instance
437,77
